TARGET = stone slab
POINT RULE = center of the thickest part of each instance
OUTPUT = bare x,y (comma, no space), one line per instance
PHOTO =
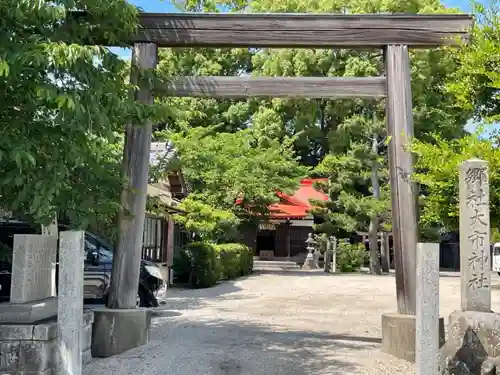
398,335
37,355
475,269
28,312
70,307
16,332
9,356
34,257
116,331
45,372
473,336
427,309
43,331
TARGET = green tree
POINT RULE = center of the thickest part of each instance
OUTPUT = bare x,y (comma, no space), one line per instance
358,183
207,222
312,123
63,109
437,171
476,81
222,167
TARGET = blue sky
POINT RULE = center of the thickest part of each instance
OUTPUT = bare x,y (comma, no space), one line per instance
164,6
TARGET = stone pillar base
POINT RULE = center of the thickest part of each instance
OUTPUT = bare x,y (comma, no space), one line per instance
116,331
398,335
473,337
32,348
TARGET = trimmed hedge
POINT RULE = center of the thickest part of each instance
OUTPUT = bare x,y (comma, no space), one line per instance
235,260
202,264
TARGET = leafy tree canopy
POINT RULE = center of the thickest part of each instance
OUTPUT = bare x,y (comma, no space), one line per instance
437,171
63,109
222,167
476,81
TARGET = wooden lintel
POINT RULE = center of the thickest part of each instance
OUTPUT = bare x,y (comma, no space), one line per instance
274,87
302,30
282,30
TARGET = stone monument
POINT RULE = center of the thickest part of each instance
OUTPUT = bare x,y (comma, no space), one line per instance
70,306
473,332
429,328
28,324
31,296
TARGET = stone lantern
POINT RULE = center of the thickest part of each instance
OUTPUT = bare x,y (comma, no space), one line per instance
310,262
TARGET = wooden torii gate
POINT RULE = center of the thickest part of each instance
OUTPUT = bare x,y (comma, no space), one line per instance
393,33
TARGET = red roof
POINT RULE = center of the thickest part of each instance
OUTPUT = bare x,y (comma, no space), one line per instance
298,204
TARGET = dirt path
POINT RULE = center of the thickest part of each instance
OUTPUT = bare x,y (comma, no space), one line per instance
292,323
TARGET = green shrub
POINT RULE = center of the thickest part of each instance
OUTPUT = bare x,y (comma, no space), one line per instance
182,266
350,257
201,264
235,260
197,263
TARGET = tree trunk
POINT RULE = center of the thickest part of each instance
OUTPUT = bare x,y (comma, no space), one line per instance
374,222
385,252
127,256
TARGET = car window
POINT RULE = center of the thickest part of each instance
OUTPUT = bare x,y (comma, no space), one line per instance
90,244
105,253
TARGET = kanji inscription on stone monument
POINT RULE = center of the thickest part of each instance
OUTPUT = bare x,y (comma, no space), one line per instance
475,236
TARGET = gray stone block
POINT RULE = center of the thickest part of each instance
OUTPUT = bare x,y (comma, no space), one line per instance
37,355
116,331
473,336
45,331
398,335
9,356
28,312
86,337
86,357
16,332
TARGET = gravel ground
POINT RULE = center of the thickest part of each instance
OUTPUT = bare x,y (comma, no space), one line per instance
288,323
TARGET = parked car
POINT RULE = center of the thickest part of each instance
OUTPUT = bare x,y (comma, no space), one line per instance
97,271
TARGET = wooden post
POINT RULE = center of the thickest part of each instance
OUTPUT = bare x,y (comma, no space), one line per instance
127,257
403,192
287,244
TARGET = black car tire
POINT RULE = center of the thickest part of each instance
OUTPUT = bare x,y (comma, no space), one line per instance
147,298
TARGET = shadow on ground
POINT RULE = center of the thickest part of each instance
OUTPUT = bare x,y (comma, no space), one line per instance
220,347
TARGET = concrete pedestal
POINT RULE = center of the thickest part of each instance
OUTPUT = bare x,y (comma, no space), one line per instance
398,335
116,331
473,337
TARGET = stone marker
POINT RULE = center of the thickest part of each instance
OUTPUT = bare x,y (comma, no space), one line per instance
427,328
474,331
70,306
32,262
475,236
32,294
